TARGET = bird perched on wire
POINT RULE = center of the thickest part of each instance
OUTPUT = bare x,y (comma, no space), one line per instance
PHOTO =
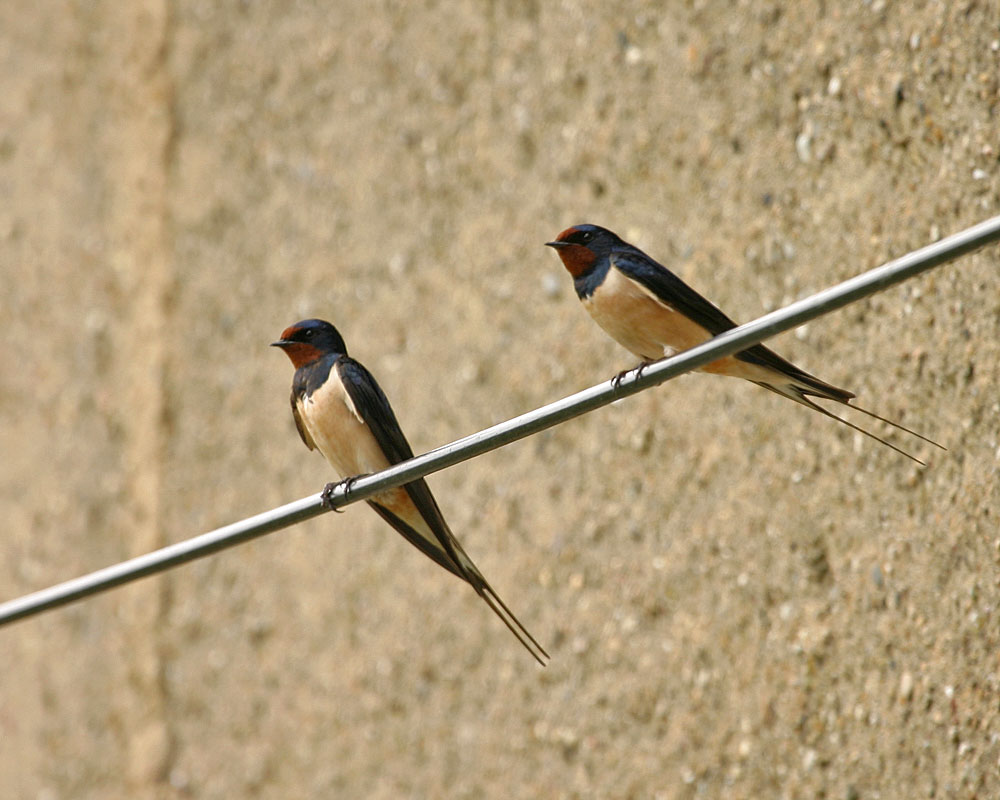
653,313
341,411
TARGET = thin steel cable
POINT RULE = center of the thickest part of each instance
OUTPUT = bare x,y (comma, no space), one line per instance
520,427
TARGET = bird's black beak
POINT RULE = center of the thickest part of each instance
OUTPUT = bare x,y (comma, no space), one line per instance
557,245
281,343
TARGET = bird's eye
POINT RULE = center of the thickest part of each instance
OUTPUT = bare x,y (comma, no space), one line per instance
587,236
307,333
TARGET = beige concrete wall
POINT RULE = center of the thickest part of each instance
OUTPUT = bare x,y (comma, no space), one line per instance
741,599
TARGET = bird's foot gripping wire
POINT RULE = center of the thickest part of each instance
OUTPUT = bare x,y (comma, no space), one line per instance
616,381
330,490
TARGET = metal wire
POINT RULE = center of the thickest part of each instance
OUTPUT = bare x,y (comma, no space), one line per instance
520,427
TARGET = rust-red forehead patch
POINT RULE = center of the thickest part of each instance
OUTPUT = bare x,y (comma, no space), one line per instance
288,333
562,237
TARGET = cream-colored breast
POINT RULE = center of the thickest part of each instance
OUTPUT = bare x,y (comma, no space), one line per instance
639,321
338,431
346,441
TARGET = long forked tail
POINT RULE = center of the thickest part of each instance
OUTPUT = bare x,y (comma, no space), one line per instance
896,425
803,396
470,572
439,544
466,569
513,624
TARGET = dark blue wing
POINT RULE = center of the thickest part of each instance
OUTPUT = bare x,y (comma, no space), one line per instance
672,291
373,406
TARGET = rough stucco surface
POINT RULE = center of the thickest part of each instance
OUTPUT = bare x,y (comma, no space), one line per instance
741,599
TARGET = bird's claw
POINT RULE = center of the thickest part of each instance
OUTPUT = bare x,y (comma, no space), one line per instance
327,495
616,381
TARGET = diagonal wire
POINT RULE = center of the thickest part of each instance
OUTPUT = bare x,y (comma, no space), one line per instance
730,342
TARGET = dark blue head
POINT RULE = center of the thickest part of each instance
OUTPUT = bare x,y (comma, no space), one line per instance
583,246
309,340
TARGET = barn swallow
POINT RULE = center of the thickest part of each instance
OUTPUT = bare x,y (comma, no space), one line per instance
340,410
654,314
